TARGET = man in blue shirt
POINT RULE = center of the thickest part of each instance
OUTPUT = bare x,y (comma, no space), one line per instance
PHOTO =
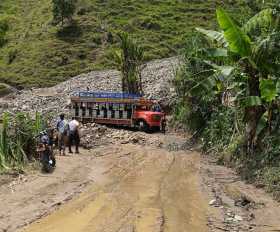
61,127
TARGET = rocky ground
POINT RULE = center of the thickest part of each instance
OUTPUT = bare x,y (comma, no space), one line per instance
156,76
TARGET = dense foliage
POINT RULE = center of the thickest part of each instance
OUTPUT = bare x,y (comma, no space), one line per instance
229,91
18,139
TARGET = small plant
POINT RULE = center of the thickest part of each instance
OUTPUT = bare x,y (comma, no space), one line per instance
12,54
4,26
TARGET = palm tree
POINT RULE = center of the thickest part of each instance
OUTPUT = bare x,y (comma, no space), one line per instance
129,59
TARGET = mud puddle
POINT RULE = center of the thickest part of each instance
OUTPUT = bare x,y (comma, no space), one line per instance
142,189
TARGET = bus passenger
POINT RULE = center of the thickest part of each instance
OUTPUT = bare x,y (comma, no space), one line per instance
156,108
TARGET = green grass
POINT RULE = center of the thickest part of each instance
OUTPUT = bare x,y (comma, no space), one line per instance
40,54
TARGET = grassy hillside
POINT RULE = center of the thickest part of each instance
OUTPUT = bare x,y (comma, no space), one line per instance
40,54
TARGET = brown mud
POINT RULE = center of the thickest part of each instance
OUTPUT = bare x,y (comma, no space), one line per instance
135,188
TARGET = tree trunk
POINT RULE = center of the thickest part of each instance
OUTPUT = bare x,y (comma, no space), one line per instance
253,114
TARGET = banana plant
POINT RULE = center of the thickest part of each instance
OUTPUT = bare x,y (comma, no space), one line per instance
254,48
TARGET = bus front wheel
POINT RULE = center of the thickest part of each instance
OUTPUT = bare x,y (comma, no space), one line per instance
143,126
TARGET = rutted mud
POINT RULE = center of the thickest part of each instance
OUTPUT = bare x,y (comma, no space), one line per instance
160,186
140,189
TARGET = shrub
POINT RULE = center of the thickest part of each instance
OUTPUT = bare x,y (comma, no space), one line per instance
63,9
18,139
12,54
4,26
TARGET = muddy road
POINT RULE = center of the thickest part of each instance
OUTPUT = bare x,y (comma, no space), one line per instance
139,189
130,188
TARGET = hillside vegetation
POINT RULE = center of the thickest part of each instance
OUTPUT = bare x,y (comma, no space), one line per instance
229,93
39,53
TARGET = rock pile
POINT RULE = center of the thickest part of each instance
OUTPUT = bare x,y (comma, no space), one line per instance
95,135
156,76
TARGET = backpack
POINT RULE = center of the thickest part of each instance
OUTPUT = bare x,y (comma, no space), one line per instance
62,126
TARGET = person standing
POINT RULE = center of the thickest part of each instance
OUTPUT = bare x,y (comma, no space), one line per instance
61,127
74,135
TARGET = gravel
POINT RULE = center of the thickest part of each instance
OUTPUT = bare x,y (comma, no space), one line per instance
156,75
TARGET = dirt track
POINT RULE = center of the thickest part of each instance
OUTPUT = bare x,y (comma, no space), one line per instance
126,188
140,189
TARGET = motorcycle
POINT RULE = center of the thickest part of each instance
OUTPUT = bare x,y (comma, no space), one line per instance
45,153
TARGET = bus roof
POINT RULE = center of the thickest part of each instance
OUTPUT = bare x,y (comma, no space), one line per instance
110,95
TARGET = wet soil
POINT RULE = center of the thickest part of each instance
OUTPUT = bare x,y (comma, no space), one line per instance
135,188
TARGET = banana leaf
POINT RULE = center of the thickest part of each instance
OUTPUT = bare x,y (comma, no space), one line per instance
264,20
268,90
262,123
214,36
251,101
239,42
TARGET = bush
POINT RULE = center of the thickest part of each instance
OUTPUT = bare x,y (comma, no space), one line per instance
63,9
219,129
192,109
18,139
12,54
4,26
271,178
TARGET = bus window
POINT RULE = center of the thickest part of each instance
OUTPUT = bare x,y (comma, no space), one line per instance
90,112
116,106
76,110
97,110
156,108
83,111
141,107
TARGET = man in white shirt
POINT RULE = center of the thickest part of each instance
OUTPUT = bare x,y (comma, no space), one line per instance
74,135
